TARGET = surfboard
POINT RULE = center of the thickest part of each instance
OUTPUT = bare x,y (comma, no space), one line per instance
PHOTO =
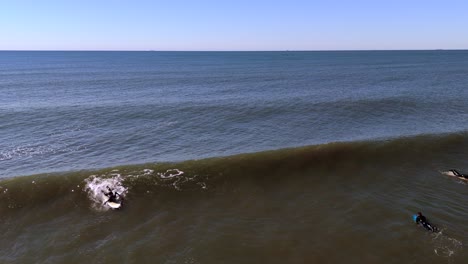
451,174
114,205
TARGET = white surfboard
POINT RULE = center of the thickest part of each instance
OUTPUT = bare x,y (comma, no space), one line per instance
450,173
114,205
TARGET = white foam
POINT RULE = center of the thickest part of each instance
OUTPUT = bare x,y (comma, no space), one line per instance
171,173
203,185
28,151
445,246
96,186
148,171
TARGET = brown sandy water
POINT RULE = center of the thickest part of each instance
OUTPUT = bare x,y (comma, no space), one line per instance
335,203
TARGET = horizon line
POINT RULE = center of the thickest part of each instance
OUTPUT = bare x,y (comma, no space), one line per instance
285,50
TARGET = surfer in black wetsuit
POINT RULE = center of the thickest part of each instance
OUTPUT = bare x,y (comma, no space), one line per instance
421,219
458,174
112,195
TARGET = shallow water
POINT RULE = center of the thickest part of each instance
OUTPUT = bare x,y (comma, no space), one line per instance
328,203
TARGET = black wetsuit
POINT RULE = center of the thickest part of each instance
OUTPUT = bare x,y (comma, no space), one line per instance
421,219
458,174
113,196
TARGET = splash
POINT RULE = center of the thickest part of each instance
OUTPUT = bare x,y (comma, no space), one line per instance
96,186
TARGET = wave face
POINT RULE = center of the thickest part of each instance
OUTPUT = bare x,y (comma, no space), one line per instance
290,205
62,111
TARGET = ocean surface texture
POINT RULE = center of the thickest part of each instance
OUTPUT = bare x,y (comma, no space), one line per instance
233,157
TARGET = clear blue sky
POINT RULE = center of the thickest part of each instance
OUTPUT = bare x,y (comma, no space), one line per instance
233,25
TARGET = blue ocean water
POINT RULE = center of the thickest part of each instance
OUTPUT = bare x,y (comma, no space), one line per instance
63,111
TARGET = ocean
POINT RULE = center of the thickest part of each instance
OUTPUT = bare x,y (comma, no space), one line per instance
233,157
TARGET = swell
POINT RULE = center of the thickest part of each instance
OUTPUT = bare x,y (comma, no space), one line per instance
426,152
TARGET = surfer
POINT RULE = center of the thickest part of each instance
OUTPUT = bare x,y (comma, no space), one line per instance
458,174
421,219
112,195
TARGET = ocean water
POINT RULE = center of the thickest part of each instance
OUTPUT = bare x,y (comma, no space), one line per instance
233,157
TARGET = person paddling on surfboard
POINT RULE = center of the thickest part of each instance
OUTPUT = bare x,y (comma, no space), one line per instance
112,195
421,219
459,175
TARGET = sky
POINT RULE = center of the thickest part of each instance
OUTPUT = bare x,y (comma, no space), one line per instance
233,25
